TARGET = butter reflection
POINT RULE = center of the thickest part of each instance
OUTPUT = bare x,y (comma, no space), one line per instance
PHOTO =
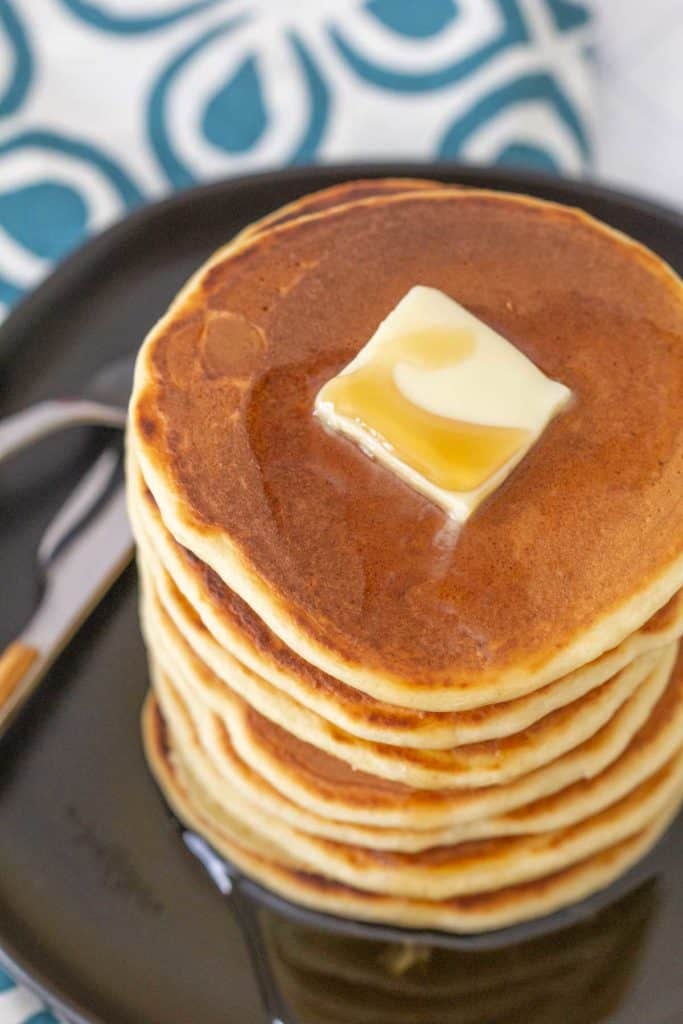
580,973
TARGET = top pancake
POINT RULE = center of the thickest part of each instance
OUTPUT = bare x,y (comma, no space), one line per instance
354,570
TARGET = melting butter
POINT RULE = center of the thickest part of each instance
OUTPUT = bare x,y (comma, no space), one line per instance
442,400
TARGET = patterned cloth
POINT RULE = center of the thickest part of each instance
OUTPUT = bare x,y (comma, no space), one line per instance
107,103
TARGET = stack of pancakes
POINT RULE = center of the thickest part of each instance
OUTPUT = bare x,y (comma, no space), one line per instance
365,708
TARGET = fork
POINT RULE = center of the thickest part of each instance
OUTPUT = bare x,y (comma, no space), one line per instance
103,403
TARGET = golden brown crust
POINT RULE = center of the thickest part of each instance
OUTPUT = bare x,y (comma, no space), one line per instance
351,709
470,913
347,551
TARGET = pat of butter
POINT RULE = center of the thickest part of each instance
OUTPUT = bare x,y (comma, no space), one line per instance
442,400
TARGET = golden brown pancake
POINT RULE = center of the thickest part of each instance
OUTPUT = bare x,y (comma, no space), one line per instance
204,737
365,709
327,787
244,652
264,861
491,762
336,195
581,545
441,872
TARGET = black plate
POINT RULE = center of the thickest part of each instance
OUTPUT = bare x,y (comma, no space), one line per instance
101,904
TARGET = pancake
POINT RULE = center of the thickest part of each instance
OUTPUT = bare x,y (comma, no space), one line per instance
465,867
564,791
335,195
203,737
276,869
459,869
242,651
349,567
365,708
491,762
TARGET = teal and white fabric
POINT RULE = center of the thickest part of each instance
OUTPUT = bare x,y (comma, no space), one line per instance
107,103
19,1006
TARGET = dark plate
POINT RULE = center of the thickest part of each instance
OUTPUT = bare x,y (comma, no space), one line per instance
101,904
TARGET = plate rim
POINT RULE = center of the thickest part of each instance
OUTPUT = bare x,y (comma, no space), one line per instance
86,257
38,300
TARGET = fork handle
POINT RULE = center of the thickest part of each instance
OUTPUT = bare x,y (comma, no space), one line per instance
30,425
16,662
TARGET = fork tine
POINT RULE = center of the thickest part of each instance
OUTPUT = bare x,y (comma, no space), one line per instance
80,503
